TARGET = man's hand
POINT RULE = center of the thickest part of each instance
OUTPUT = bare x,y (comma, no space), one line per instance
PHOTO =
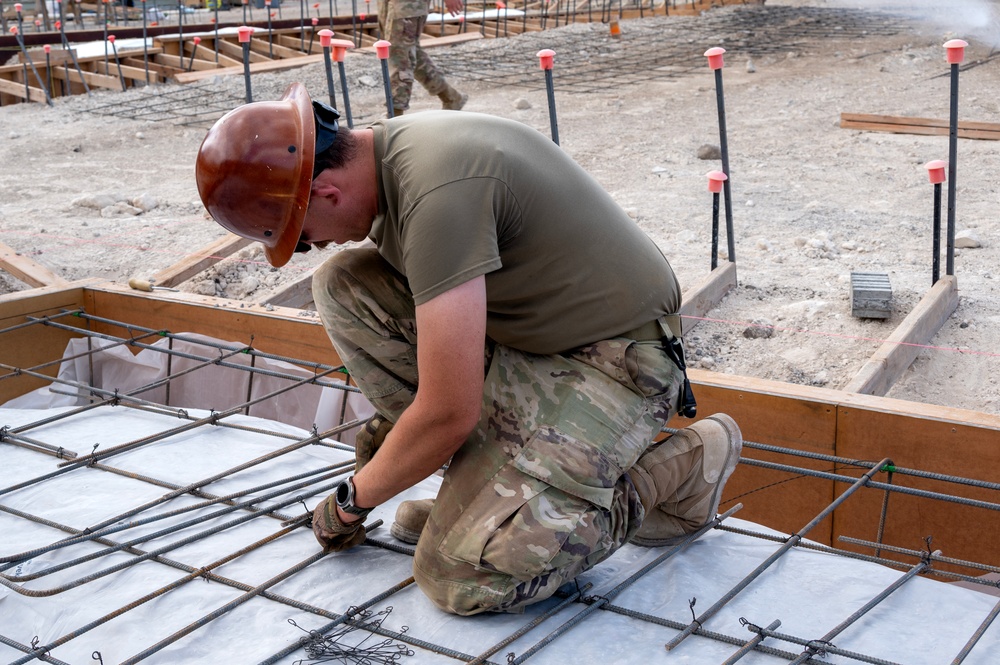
454,6
331,532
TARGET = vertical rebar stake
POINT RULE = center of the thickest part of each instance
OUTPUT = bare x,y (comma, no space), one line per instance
215,28
715,183
180,30
312,35
145,41
270,38
245,33
196,40
76,63
935,171
716,62
382,49
118,63
31,63
325,37
545,59
955,49
340,47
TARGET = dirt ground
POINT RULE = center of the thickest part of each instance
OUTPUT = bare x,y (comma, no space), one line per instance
92,195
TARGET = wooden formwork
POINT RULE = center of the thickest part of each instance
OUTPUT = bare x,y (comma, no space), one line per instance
814,420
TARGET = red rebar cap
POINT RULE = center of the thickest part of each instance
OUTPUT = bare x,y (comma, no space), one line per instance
196,40
955,50
545,58
325,36
363,17
316,5
935,170
47,48
715,59
38,22
111,38
267,3
715,180
245,33
501,4
13,29
382,49
340,47
315,21
18,7
58,25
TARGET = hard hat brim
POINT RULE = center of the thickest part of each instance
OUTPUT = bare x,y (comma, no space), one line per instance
280,253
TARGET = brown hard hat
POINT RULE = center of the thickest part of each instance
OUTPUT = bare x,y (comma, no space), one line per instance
254,171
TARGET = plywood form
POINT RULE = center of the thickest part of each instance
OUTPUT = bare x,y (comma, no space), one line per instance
989,131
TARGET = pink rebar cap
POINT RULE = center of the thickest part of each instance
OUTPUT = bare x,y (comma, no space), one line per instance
715,180
545,58
382,49
935,170
18,7
325,36
315,21
196,40
111,38
245,33
714,55
58,25
340,47
13,29
47,48
956,50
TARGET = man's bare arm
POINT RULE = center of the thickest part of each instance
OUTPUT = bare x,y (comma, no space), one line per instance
451,333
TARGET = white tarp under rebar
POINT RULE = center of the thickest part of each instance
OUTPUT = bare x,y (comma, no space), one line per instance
924,622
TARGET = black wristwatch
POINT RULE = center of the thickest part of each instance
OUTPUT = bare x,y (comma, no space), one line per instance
345,499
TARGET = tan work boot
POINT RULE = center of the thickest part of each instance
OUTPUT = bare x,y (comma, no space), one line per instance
397,112
411,516
452,100
369,438
680,480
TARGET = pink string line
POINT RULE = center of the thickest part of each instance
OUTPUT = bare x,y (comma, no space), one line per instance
821,333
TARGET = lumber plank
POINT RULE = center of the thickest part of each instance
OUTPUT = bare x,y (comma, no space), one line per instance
94,80
297,294
27,270
260,45
197,261
922,126
255,68
33,345
235,51
279,330
891,359
700,299
17,89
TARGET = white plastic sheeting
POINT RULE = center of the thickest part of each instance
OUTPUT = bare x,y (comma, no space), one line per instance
925,622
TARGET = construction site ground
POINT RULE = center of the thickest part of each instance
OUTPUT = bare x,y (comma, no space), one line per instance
103,186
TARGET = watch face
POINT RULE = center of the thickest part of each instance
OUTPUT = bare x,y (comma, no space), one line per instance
343,493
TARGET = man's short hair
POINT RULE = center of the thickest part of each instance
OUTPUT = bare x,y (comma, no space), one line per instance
340,152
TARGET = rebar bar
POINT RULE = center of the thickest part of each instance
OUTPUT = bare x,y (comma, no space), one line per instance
791,542
751,643
976,636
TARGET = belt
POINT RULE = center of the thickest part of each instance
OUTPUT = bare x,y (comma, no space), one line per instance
665,326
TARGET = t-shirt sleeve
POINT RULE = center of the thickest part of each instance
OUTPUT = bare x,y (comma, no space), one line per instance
453,234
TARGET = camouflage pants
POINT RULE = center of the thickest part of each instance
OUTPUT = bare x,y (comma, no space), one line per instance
538,493
407,61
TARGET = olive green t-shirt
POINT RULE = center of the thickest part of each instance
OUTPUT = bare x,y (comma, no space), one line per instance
465,194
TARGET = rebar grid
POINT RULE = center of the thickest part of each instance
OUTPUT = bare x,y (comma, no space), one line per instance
589,61
291,490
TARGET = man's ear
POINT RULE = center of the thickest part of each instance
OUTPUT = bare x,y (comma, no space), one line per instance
324,186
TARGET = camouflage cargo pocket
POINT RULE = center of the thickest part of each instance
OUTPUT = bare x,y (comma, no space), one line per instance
550,500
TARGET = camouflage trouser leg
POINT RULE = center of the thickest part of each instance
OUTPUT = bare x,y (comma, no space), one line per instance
368,313
538,493
407,61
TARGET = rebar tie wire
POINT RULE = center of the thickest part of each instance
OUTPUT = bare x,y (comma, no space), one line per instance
791,542
96,530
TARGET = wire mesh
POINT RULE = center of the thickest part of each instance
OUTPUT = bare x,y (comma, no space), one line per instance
195,511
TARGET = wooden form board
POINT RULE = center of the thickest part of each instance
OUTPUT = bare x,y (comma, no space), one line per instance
816,420
28,271
705,294
897,353
989,131
862,427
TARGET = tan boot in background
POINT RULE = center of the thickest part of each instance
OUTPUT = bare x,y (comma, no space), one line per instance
452,100
369,438
411,516
680,480
397,112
